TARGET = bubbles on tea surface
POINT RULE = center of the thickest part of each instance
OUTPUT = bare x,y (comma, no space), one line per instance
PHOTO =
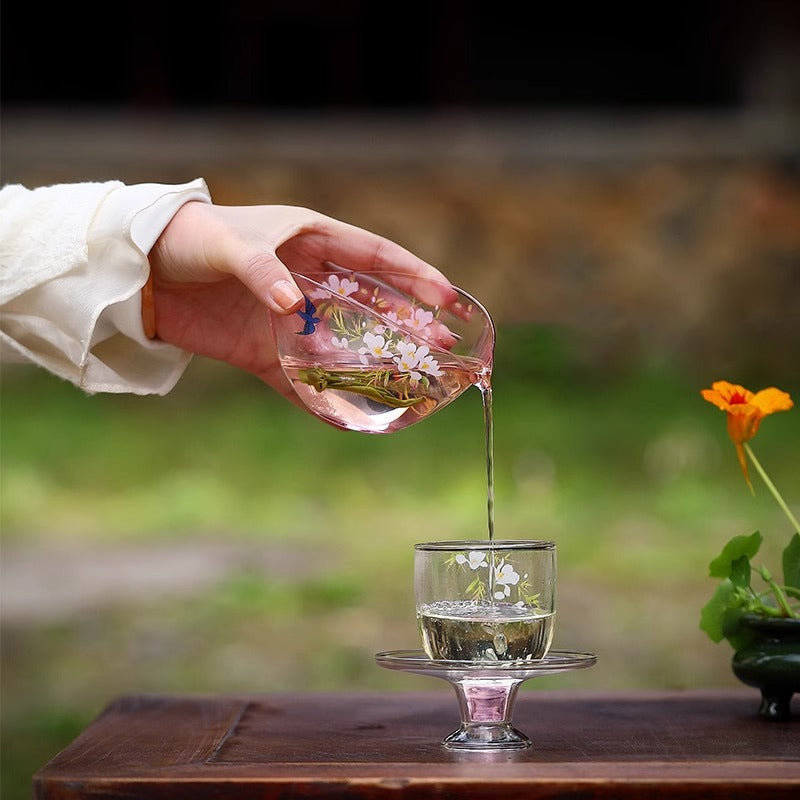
481,631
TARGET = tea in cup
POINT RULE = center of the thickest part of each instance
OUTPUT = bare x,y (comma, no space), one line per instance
485,601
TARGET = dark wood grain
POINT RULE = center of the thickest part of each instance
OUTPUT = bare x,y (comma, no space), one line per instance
385,745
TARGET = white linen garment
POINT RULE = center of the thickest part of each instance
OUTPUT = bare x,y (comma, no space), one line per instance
73,261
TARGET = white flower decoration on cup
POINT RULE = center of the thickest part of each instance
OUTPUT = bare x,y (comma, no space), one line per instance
475,559
427,364
341,286
407,360
419,320
506,576
374,346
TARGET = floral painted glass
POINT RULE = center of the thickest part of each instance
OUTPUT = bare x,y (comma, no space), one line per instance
376,354
486,611
485,601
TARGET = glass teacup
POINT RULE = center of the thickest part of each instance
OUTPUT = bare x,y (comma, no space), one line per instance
485,600
378,353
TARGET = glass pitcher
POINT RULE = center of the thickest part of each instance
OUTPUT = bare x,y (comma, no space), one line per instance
377,353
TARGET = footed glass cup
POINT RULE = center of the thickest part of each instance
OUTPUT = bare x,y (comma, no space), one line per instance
485,601
377,354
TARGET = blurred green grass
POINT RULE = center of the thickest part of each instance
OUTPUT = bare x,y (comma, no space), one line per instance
629,471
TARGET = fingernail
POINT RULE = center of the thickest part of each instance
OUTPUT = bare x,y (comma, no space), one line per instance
285,295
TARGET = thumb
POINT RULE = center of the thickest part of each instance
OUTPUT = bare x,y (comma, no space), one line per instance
270,281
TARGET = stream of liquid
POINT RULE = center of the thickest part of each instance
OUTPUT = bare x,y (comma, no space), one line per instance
486,394
485,387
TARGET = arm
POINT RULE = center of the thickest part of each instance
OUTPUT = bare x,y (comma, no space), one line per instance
73,260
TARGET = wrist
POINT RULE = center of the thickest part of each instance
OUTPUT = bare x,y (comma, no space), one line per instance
177,230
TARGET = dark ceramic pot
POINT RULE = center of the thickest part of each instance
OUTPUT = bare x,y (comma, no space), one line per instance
771,662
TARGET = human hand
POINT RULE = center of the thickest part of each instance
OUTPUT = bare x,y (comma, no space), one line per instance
217,270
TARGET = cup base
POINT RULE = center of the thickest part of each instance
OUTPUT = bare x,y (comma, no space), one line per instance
486,737
485,692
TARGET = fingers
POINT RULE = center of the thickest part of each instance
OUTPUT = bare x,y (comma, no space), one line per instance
284,296
269,279
272,240
204,243
359,250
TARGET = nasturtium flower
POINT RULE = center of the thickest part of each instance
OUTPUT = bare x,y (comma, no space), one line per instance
745,411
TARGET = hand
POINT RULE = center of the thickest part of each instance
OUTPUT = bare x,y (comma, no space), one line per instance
218,269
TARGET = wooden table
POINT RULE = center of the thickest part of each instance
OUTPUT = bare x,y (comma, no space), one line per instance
387,745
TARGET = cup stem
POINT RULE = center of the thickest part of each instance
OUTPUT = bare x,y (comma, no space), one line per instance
487,708
485,701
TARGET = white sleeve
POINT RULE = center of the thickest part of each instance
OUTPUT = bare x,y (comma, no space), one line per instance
73,261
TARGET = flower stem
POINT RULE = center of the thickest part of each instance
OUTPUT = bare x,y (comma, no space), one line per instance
783,603
777,592
771,486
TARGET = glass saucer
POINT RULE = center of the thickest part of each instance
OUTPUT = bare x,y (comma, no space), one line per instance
486,692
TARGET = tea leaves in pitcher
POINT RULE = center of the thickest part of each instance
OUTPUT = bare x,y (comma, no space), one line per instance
370,400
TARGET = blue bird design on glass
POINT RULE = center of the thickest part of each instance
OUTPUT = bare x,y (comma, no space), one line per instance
309,320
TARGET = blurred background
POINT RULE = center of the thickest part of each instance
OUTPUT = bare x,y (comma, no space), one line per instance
620,189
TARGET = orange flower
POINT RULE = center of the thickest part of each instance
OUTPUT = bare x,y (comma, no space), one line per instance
745,411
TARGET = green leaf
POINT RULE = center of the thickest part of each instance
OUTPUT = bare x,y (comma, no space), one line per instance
721,616
740,572
712,616
739,636
791,562
737,547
